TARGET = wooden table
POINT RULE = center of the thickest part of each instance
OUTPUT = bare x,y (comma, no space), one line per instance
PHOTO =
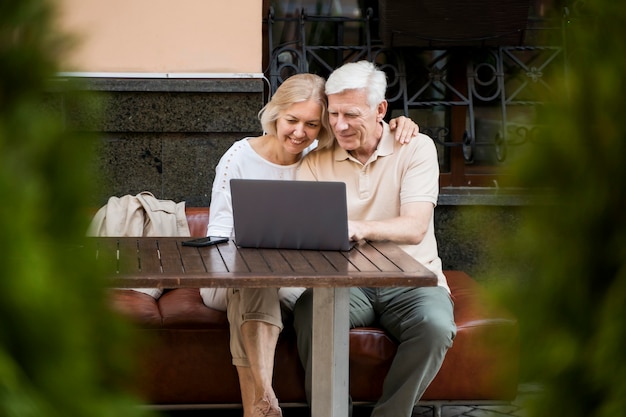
165,263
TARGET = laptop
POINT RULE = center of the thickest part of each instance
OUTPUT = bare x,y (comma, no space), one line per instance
281,214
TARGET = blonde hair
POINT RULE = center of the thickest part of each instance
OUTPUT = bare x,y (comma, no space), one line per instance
296,89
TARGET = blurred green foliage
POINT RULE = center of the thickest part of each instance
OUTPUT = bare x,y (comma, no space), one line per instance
567,280
62,352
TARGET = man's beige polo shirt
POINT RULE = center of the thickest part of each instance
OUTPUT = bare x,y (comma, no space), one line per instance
394,175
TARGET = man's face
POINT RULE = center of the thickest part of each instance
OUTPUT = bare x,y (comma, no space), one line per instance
354,123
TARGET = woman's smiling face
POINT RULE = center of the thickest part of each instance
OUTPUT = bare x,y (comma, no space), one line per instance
298,125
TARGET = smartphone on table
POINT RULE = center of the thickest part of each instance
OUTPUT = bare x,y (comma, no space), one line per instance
205,241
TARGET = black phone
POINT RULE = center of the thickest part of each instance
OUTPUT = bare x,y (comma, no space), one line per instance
205,241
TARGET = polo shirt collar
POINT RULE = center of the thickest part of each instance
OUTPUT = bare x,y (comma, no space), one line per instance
386,144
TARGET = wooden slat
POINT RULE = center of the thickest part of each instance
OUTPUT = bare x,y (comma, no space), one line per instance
230,257
254,260
373,255
191,258
170,256
251,280
276,261
317,260
397,256
339,261
128,262
297,261
362,262
106,255
149,256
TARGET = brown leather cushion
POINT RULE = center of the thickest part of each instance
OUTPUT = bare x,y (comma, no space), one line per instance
186,357
483,361
140,308
183,309
192,352
481,365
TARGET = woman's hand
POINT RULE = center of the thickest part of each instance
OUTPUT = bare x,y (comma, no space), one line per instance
405,129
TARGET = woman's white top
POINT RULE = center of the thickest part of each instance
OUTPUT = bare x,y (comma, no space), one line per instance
241,161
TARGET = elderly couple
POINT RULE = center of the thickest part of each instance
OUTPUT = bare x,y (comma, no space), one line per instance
334,130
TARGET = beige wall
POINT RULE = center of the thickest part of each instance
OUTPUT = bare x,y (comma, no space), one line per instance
164,36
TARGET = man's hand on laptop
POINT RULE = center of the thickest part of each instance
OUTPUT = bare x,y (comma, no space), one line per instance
407,229
356,230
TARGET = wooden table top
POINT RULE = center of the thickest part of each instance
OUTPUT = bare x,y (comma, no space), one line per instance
151,262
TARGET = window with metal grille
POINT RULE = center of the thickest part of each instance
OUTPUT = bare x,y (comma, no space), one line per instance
472,74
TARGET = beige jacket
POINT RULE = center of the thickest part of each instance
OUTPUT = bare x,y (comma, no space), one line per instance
140,215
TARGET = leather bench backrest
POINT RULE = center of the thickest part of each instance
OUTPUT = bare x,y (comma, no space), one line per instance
198,220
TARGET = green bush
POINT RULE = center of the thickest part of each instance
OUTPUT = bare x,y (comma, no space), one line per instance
62,352
572,305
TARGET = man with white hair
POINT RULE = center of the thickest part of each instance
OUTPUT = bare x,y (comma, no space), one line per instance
392,191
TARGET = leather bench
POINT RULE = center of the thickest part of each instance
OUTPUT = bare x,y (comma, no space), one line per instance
185,359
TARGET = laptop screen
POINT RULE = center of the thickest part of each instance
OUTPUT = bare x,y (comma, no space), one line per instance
290,214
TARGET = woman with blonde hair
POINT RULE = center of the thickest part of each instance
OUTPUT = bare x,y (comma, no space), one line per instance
295,122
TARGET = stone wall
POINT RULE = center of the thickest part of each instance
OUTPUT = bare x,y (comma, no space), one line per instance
162,135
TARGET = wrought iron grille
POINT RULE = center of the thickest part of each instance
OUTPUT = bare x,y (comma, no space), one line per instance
477,103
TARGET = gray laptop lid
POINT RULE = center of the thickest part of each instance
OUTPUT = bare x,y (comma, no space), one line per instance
290,214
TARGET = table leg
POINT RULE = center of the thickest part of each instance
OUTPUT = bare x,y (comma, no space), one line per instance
330,350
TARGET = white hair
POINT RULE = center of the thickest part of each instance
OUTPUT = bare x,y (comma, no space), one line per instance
362,75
